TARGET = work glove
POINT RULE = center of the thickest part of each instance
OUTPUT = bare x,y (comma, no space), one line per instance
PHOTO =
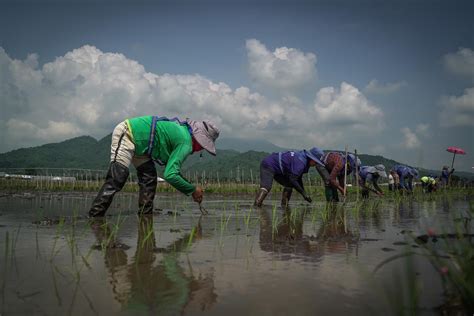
308,199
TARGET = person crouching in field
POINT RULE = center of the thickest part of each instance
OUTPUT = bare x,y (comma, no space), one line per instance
369,175
445,175
288,168
336,164
406,175
428,184
396,181
145,140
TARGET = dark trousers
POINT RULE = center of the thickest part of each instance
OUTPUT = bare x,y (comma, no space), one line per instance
331,194
267,175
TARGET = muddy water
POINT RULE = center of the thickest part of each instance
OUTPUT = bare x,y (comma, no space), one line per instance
236,261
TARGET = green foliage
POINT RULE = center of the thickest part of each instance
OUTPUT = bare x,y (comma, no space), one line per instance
86,152
79,152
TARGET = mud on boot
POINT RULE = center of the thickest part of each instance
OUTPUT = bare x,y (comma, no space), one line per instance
261,195
147,182
116,177
286,196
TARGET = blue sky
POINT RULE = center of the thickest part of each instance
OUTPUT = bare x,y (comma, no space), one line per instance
385,77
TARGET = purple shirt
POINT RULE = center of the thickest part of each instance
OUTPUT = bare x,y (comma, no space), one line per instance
292,163
404,172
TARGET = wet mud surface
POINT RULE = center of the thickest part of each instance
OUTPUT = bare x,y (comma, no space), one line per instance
237,260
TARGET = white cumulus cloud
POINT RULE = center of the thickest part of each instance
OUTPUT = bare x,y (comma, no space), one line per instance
413,138
87,92
346,106
284,68
458,111
460,63
410,139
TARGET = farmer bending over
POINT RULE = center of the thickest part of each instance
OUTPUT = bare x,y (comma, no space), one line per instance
368,176
336,164
148,139
428,183
396,180
406,175
287,168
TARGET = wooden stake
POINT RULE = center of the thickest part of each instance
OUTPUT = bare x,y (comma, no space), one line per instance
345,176
357,175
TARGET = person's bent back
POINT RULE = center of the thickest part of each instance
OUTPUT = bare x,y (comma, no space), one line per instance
142,141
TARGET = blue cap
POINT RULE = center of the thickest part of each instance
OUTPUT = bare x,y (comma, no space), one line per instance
380,169
315,154
352,161
413,172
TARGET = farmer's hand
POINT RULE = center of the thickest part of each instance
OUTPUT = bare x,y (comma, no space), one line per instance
198,195
342,190
308,199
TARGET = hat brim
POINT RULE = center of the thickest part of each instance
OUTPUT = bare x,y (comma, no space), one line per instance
312,157
205,143
382,174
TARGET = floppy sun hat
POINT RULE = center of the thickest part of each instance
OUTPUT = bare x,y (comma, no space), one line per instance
315,154
380,169
414,172
352,161
205,133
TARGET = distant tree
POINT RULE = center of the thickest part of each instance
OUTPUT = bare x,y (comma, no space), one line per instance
31,172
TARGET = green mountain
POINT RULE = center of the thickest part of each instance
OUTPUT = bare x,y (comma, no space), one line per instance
243,145
86,152
81,152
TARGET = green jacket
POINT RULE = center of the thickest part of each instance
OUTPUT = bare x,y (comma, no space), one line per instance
172,145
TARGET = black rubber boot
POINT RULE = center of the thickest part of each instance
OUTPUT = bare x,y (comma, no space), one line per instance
261,195
147,182
114,182
365,193
286,196
331,194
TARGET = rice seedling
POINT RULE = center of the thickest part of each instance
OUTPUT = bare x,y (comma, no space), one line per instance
112,233
223,224
247,220
452,256
38,252
5,268
147,226
59,230
402,291
55,284
275,221
14,242
191,236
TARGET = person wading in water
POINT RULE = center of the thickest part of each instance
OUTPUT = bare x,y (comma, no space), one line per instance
145,140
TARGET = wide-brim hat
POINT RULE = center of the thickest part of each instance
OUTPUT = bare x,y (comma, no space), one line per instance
380,169
315,154
205,133
413,172
353,162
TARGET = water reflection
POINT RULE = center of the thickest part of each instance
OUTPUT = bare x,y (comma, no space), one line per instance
283,234
406,210
372,212
154,281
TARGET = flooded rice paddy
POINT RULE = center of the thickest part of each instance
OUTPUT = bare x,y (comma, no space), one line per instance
238,260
